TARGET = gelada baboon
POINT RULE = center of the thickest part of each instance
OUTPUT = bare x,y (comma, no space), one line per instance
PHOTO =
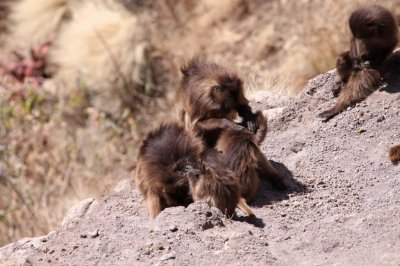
374,37
212,98
394,153
166,156
218,185
241,151
173,170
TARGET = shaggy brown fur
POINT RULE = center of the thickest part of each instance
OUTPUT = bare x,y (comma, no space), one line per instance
173,171
394,153
212,98
165,158
374,37
217,185
243,156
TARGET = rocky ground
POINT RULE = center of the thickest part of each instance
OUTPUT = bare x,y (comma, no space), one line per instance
342,207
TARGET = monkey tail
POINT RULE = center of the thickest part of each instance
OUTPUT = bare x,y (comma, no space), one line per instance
360,85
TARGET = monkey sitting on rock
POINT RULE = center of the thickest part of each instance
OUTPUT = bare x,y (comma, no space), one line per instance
174,170
374,37
212,97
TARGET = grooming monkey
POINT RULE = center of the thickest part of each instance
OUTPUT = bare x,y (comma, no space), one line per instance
173,170
218,185
241,151
212,98
394,153
374,37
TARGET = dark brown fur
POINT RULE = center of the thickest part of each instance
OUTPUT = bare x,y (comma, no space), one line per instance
212,97
172,170
374,37
217,185
394,153
165,156
244,157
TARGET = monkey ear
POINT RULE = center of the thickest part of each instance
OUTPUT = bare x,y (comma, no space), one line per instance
191,67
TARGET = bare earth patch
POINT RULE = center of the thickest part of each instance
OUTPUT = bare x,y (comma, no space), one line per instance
343,207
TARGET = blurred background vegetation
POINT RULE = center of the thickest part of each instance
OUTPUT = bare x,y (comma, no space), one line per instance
82,81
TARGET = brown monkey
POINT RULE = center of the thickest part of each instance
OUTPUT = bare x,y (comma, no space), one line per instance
394,153
374,37
218,185
172,170
241,151
212,98
165,156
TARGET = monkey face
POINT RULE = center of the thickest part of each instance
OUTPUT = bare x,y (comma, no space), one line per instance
224,98
226,92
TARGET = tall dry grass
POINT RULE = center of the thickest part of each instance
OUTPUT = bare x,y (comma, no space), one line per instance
57,148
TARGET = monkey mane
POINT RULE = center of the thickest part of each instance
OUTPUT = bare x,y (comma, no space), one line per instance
169,143
372,15
199,77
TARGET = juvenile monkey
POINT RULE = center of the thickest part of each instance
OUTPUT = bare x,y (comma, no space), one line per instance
374,37
212,98
165,158
241,151
218,185
173,170
394,153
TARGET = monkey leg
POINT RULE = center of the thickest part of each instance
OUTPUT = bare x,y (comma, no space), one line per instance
153,204
360,85
343,67
270,172
242,205
217,123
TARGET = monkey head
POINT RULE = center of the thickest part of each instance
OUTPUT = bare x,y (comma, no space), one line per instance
372,21
211,91
216,185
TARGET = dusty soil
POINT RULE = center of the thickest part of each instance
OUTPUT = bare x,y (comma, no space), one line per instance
343,207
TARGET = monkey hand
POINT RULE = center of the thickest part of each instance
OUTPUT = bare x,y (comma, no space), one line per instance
337,88
326,115
252,125
250,122
238,127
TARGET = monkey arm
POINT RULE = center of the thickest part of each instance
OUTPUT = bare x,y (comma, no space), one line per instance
249,118
216,123
344,66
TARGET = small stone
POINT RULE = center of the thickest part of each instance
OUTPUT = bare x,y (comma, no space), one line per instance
361,130
380,118
297,147
283,214
310,180
169,256
83,235
45,249
296,203
173,228
94,234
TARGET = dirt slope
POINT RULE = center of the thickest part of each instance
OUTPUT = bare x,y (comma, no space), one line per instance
343,207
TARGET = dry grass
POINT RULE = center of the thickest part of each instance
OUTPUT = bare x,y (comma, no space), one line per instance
57,146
